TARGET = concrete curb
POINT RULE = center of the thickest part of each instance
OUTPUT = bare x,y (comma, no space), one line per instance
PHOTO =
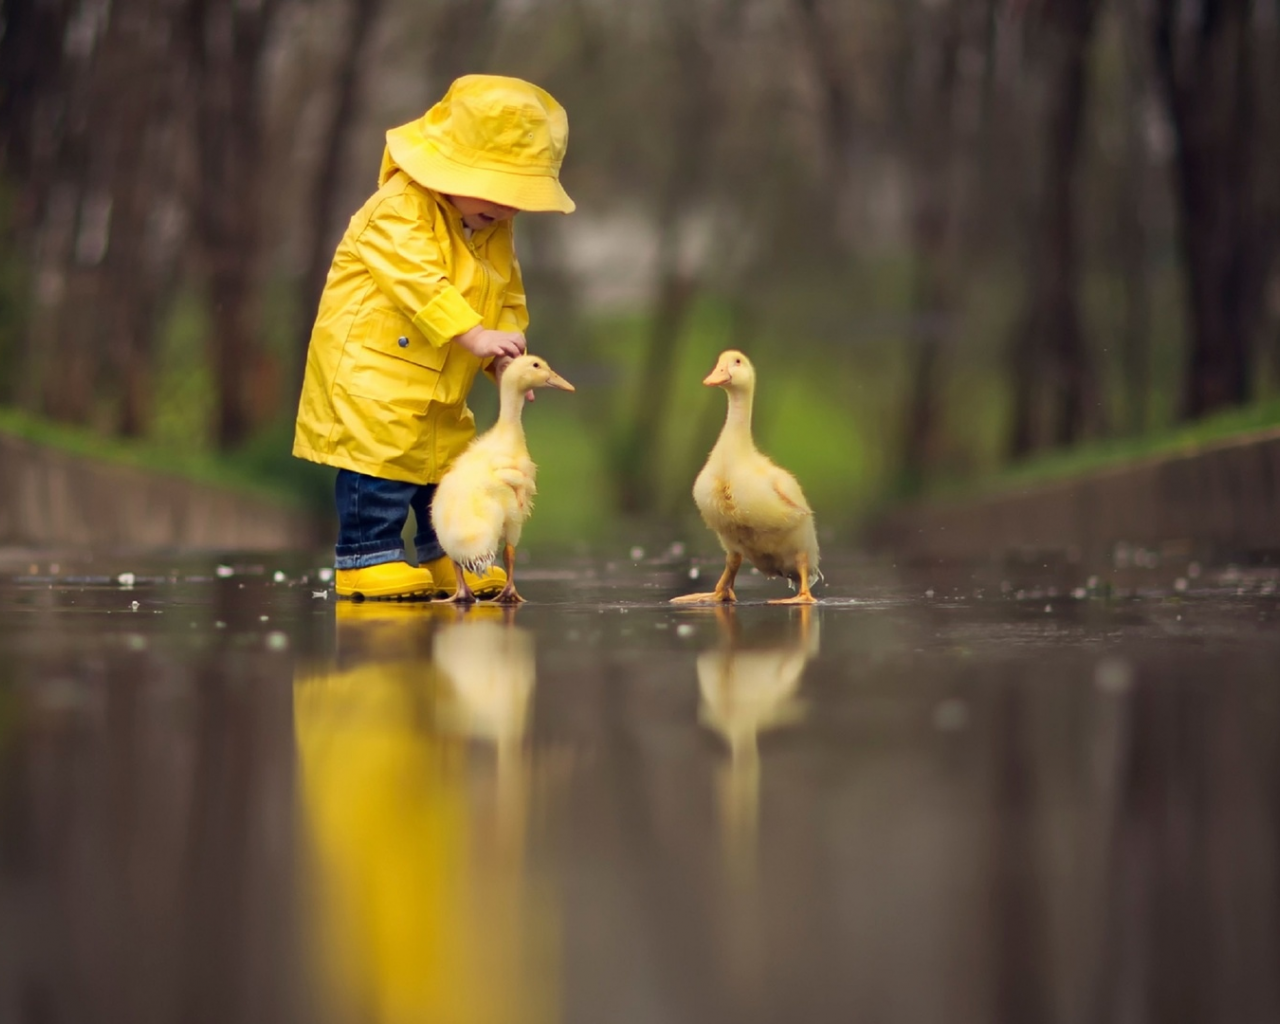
1222,496
51,498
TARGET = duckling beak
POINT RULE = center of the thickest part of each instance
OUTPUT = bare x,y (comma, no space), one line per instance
716,377
556,381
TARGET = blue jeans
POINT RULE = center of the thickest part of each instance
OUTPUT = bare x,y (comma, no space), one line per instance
371,517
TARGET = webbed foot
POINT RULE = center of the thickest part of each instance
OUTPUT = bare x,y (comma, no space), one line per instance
726,596
462,593
802,598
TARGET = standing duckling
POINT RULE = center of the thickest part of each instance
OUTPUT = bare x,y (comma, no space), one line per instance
484,500
755,507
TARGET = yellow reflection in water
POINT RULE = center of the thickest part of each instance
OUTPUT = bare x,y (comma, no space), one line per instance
414,787
745,692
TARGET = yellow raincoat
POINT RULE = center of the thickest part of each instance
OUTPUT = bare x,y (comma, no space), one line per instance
385,388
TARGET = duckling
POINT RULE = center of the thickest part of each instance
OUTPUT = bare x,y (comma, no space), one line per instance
754,507
482,503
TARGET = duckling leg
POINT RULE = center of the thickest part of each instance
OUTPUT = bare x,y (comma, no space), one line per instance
463,594
724,589
508,593
803,597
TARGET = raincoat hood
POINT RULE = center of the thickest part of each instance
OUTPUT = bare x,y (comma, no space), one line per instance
491,137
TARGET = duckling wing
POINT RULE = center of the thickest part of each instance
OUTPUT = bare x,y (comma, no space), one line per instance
772,499
788,490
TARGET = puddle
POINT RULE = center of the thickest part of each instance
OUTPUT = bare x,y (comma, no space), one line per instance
227,796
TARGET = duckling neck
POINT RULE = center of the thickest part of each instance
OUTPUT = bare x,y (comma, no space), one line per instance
510,408
737,423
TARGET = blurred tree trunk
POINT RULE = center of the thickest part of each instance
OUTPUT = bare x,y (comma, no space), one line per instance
1268,65
692,106
935,45
82,102
1132,216
362,17
46,136
837,105
1205,67
32,90
639,452
227,41
1052,367
32,87
136,124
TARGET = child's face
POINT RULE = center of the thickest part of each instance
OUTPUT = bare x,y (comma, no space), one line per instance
480,213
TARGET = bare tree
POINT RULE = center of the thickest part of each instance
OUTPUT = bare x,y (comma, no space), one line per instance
67,220
324,218
136,170
931,97
692,103
227,42
33,89
1205,65
1133,214
837,99
1052,369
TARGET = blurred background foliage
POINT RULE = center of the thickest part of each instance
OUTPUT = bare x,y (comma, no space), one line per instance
956,236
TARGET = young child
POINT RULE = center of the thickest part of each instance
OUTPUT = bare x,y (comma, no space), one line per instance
424,291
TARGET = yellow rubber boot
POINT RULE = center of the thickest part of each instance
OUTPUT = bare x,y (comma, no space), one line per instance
388,581
487,585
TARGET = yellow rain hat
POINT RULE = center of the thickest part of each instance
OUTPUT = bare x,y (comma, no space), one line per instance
491,137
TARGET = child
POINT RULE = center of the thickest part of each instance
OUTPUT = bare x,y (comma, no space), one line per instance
424,291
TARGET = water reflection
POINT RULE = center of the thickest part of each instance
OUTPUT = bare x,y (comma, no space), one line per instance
988,813
747,691
414,784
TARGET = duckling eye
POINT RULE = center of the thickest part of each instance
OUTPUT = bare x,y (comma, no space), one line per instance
737,362
537,365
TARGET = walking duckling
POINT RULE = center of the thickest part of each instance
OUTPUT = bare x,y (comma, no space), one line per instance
753,506
483,502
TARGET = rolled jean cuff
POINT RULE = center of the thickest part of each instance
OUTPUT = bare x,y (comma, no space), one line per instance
429,552
363,561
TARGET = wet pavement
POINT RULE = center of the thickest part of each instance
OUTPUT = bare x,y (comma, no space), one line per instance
1028,794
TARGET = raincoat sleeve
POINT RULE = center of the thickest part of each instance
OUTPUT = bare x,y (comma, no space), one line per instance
515,313
405,259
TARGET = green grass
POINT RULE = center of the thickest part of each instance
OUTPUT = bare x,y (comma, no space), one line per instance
1100,456
255,472
573,500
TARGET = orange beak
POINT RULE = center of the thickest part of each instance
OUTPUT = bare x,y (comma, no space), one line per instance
556,381
716,377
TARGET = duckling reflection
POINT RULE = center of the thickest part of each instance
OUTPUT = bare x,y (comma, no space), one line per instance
746,692
417,911
488,668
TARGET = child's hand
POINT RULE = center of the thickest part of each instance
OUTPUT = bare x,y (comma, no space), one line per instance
482,342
